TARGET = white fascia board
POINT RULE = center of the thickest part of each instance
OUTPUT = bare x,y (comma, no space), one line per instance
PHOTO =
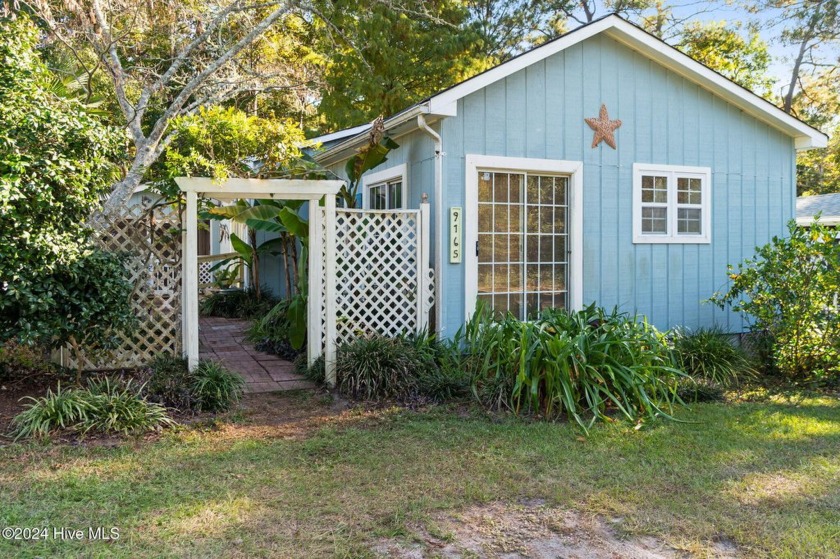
830,221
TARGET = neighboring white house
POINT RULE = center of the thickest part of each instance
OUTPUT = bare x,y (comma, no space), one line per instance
826,205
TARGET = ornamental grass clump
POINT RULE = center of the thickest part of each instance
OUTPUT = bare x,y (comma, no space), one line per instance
215,388
376,367
707,354
104,406
585,365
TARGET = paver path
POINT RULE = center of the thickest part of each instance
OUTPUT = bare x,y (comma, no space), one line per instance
223,339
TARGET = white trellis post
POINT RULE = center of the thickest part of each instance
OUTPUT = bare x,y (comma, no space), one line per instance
330,291
189,296
314,303
423,267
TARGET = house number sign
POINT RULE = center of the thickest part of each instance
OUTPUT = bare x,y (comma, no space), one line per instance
456,219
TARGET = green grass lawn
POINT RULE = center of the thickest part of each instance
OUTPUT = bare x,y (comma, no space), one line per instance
764,475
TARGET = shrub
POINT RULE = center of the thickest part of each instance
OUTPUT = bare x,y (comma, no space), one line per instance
790,289
210,387
169,382
272,332
18,360
240,303
376,367
215,388
576,364
105,406
57,161
708,354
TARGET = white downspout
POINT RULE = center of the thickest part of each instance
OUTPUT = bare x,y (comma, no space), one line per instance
421,122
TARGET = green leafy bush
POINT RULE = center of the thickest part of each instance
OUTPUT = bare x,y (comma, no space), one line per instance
105,406
119,407
316,373
210,387
215,388
403,368
240,303
577,364
708,354
56,163
791,289
272,333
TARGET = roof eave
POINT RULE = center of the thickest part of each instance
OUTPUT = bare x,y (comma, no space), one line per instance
403,122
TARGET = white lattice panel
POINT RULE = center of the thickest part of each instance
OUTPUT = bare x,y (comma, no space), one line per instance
152,240
379,274
205,275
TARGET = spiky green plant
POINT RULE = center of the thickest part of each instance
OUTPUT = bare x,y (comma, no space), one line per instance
376,367
216,388
585,365
707,353
118,407
104,406
61,409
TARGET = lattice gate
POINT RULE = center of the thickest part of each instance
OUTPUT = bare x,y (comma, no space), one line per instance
151,238
383,283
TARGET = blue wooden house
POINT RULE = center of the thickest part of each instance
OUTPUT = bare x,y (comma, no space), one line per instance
604,166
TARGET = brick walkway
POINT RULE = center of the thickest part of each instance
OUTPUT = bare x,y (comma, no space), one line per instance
223,339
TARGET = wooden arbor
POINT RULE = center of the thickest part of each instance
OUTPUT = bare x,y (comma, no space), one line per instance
281,189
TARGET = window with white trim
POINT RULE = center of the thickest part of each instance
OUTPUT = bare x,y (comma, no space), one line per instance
671,204
385,190
386,195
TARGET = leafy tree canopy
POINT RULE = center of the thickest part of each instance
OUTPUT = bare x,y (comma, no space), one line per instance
384,59
743,58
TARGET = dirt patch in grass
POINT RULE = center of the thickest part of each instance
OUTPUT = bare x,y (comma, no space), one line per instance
13,391
529,530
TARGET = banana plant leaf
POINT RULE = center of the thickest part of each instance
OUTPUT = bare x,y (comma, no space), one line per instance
263,212
265,225
294,224
246,252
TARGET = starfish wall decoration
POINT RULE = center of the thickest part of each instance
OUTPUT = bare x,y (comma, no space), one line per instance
604,128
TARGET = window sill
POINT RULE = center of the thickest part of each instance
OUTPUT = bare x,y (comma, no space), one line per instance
668,240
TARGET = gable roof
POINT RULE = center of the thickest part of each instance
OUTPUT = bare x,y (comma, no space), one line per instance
445,102
828,205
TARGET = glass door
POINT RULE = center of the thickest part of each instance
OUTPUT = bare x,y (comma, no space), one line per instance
522,242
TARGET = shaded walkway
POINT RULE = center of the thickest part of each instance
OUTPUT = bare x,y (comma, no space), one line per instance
223,339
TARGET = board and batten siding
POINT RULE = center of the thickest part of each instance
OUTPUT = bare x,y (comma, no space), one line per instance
538,112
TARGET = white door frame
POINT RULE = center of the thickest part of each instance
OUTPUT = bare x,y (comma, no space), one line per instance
572,169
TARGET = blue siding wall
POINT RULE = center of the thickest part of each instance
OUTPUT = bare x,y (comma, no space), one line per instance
538,113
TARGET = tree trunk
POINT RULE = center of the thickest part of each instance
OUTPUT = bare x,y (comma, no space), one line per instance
296,271
77,352
255,263
803,49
